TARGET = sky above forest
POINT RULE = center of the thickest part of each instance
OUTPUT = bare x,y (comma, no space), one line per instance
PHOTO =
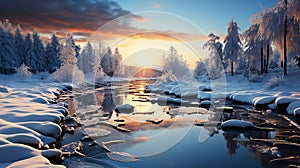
183,24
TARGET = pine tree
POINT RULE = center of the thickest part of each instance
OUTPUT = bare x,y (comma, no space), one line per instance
39,53
118,67
232,49
19,45
216,64
106,62
8,59
52,54
29,58
86,60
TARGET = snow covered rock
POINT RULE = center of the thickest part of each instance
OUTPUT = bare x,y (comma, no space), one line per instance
205,104
262,103
40,100
283,102
242,99
246,98
18,129
45,128
164,100
32,162
297,112
27,139
204,95
205,88
236,124
190,95
125,108
292,106
24,117
17,152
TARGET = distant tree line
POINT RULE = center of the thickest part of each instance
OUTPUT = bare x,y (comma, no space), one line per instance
17,49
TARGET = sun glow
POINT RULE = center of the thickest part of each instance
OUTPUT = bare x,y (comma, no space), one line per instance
144,52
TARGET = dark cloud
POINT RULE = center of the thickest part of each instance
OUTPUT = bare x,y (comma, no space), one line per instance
47,16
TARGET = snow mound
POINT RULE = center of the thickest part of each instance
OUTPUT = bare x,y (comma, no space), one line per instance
24,117
204,95
205,104
246,98
297,112
282,103
292,106
32,162
233,123
165,100
263,102
4,89
16,152
46,128
18,129
40,100
28,139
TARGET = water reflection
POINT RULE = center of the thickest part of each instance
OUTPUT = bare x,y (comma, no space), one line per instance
147,136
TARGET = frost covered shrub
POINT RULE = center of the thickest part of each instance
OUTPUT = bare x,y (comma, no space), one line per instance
167,77
100,76
200,69
176,64
22,72
68,73
214,73
256,78
275,82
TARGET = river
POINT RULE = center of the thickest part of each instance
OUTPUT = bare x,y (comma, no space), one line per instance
159,138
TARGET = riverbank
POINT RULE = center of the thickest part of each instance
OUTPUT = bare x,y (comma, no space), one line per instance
31,122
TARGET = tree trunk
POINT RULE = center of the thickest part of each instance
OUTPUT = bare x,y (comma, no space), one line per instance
261,61
284,42
231,68
267,61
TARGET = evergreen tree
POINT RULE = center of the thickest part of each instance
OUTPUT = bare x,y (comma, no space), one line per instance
8,59
216,64
233,49
19,45
29,57
107,63
39,53
118,67
52,54
86,60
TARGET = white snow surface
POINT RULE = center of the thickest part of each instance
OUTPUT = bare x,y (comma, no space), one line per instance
236,123
240,89
28,122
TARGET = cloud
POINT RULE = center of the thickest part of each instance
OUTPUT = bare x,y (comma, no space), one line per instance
48,16
156,5
83,18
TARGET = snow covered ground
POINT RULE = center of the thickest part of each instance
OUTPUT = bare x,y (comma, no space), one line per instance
29,123
269,91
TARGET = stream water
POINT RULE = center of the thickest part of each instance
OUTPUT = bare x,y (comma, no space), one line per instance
160,139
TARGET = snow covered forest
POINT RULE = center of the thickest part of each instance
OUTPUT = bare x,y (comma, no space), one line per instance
30,54
272,41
